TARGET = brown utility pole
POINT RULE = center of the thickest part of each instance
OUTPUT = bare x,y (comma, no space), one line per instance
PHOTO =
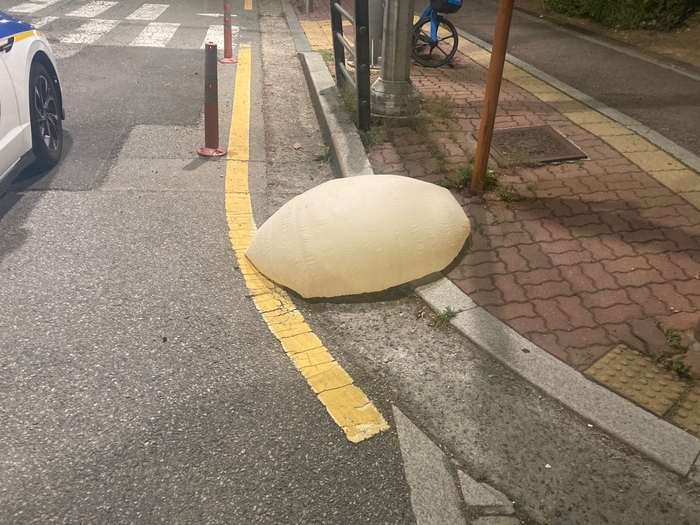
493,87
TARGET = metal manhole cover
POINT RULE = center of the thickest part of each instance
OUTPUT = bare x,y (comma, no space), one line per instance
532,144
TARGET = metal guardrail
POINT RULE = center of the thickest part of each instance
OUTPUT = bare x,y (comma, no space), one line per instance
360,56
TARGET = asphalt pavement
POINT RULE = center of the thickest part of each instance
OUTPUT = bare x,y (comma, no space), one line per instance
139,384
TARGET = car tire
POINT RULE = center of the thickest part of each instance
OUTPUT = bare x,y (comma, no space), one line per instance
45,116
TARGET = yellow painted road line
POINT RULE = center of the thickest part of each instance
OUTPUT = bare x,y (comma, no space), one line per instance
248,5
346,403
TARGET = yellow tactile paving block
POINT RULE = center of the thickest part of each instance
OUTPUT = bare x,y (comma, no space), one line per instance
318,33
653,161
347,404
688,413
679,180
606,129
629,143
587,116
692,197
637,377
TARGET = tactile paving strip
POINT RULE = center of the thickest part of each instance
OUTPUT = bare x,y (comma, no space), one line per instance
637,377
688,413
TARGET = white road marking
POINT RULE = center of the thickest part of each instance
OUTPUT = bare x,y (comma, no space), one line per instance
155,35
148,12
41,22
215,34
92,9
89,32
32,7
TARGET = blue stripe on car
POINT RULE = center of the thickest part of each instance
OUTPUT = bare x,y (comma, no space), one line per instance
10,25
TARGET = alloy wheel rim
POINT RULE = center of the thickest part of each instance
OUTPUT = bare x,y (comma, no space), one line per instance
46,109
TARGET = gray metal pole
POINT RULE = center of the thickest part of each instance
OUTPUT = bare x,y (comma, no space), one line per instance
393,94
376,30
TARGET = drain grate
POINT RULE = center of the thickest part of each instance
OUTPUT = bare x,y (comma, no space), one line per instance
532,144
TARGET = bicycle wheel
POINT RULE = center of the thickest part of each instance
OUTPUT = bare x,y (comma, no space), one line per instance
431,53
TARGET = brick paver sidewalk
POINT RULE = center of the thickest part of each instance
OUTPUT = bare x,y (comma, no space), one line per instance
578,257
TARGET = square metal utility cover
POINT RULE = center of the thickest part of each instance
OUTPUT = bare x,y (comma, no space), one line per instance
532,144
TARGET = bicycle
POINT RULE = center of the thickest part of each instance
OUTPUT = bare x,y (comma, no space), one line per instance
435,39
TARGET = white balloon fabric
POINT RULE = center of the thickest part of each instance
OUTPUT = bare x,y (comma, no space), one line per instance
360,234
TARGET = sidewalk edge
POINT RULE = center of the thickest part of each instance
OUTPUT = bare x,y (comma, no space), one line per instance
339,133
686,157
669,445
674,448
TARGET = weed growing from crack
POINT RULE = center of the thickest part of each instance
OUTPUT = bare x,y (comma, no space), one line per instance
326,55
673,338
440,107
443,318
676,365
673,364
463,179
509,195
522,161
434,150
323,157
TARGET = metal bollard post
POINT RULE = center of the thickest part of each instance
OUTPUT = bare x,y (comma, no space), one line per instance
211,105
228,45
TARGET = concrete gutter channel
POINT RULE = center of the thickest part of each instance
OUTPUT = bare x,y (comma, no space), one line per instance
658,440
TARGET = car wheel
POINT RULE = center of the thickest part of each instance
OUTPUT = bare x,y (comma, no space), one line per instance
45,113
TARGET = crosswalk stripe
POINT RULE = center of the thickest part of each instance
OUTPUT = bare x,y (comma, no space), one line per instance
215,34
155,35
32,7
148,12
89,32
92,9
41,22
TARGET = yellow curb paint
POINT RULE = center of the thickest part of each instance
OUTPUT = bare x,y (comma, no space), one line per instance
301,343
313,357
327,376
350,412
347,405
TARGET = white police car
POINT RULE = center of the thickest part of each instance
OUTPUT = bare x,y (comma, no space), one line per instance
31,107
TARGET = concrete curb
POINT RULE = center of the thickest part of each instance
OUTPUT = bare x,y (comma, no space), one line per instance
657,439
654,437
440,493
347,151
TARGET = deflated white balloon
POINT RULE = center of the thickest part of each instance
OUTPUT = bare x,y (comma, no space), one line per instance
360,234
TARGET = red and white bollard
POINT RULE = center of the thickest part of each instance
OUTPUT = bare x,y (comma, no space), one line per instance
228,44
211,105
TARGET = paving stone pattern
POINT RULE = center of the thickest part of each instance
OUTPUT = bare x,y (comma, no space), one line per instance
578,257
